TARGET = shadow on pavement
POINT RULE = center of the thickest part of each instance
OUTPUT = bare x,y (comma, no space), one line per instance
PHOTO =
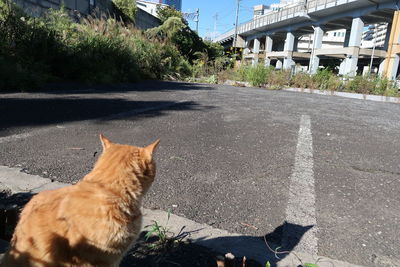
64,104
22,112
284,238
145,86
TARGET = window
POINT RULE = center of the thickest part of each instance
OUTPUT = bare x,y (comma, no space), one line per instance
334,34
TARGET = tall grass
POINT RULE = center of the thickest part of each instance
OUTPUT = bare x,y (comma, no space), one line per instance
96,50
324,79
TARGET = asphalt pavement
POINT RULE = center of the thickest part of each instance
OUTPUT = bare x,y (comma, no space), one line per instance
314,173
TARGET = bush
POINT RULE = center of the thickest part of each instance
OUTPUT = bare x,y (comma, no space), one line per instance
327,80
361,85
257,75
303,80
98,50
279,79
127,8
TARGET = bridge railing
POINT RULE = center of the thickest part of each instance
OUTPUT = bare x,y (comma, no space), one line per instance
299,9
225,35
312,4
272,17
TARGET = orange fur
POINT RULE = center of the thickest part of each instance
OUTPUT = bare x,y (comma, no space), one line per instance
92,223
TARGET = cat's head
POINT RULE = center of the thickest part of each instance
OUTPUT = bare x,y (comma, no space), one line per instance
139,160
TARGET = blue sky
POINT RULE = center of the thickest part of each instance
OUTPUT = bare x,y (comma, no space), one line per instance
226,13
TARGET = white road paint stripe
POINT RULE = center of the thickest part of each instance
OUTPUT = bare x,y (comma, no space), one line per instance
301,205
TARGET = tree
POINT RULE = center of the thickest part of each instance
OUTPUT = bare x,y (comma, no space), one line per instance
127,8
165,12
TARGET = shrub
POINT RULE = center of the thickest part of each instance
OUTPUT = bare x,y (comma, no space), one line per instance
98,50
279,79
258,75
361,85
127,8
325,79
303,80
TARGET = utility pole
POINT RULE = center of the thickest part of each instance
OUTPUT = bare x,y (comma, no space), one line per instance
236,24
215,25
194,16
373,48
197,20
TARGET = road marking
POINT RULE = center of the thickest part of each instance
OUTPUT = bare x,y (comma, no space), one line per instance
300,211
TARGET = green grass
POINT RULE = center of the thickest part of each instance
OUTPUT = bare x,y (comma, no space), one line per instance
324,79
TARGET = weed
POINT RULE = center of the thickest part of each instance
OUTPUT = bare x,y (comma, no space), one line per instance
279,79
158,230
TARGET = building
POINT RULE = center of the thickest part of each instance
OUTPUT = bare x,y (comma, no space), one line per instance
260,10
177,4
148,6
375,36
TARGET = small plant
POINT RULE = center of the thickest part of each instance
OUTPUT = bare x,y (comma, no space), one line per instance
256,75
279,79
158,230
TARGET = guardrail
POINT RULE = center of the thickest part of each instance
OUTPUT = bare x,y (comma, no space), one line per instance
273,17
313,4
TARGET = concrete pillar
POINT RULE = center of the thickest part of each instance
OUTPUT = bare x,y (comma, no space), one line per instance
381,67
279,64
342,66
393,52
357,28
345,44
288,61
394,66
256,51
268,48
317,44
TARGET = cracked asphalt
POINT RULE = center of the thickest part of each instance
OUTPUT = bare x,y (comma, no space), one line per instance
227,154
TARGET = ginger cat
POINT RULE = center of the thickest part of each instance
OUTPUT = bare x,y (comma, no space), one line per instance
91,223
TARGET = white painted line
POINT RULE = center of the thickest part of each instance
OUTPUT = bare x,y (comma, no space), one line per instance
301,204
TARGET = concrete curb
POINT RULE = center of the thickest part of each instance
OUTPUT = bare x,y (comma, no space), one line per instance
15,181
378,98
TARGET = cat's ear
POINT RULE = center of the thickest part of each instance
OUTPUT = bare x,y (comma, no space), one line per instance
105,142
150,149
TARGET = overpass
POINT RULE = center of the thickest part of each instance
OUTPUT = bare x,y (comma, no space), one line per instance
273,37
